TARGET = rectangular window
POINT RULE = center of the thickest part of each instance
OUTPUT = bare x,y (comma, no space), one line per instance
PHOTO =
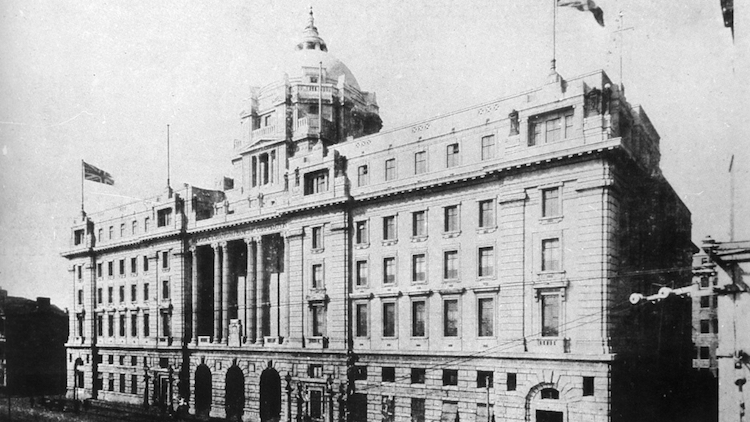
100,235
389,374
146,224
704,326
79,272
450,219
511,382
166,324
317,276
134,227
317,237
121,294
133,293
389,228
705,352
389,270
486,214
134,325
418,268
486,317
99,295
99,270
361,236
165,260
420,162
550,315
361,273
122,267
315,370
715,325
389,320
450,376
316,182
418,316
145,263
486,262
485,379
165,289
488,147
450,318
318,320
111,232
110,269
80,297
78,237
535,132
568,126
551,254
362,319
451,155
110,294
100,325
362,176
146,325
145,292
111,325
122,325
164,217
553,128
133,265
417,410
111,382
122,230
134,384
588,386
550,202
418,375
704,282
316,404
419,223
390,169
705,301
450,265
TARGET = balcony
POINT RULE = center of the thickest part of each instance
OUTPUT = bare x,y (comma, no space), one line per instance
308,127
310,92
551,344
270,132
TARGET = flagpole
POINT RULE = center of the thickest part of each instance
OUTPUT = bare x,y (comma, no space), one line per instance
83,213
320,100
554,41
169,185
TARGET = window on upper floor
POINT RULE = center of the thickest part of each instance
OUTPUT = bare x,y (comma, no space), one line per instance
122,230
361,235
485,316
390,169
78,236
111,232
361,269
110,295
450,219
146,222
420,162
550,202
551,254
551,127
80,297
511,381
450,265
79,272
146,325
388,374
486,266
550,306
133,265
100,235
450,318
121,291
145,292
99,295
486,214
588,386
418,318
488,147
133,293
110,269
362,318
389,228
485,379
705,353
99,270
165,260
165,289
145,263
418,375
705,301
317,237
164,217
450,376
418,268
389,319
389,270
134,227
419,223
363,177
451,155
704,326
318,320
122,267
317,276
715,325
316,182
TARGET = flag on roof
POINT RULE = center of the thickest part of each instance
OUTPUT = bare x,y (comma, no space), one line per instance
96,175
585,6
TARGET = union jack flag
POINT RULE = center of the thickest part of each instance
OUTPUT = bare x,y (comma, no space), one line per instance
96,175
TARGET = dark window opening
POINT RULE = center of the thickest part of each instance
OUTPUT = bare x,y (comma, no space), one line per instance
588,386
389,374
450,376
485,379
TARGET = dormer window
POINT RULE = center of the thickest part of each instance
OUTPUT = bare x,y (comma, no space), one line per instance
78,237
164,217
551,127
313,79
316,182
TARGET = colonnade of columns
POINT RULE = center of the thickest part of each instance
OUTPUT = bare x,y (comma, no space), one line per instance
250,301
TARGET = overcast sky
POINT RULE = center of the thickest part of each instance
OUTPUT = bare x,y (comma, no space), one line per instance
101,80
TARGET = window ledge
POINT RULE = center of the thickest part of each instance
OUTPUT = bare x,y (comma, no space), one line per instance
551,220
485,230
317,250
417,239
451,234
390,242
361,246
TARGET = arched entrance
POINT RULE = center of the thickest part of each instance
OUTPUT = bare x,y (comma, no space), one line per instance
543,404
234,402
78,373
202,391
270,395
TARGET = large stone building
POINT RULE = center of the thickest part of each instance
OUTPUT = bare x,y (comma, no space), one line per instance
477,263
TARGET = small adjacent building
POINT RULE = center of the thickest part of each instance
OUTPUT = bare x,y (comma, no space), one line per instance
32,346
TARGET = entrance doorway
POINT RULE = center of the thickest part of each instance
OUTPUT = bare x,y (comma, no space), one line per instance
235,394
202,392
548,416
270,395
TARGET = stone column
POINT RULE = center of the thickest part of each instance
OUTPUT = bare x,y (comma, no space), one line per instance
259,291
249,321
194,292
225,291
217,292
285,294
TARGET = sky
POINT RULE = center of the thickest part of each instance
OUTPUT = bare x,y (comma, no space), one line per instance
100,81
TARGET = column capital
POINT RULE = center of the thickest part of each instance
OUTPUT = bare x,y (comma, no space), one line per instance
192,248
223,244
215,245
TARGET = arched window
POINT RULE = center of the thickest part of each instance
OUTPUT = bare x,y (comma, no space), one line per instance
550,393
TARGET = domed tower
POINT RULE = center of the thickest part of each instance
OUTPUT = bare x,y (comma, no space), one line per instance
317,102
